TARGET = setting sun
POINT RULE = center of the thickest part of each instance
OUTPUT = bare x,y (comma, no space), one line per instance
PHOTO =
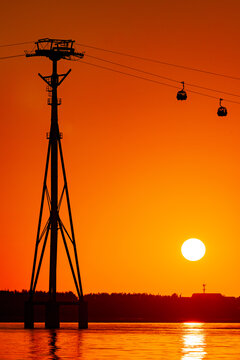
193,249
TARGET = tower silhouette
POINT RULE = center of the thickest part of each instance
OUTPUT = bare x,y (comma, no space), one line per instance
55,50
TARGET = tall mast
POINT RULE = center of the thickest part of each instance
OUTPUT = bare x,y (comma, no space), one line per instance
54,135
55,50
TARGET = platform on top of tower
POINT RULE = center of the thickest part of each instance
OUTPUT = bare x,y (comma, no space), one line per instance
55,49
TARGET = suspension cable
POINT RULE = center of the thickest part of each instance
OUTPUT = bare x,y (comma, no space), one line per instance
160,76
161,62
15,44
155,81
11,56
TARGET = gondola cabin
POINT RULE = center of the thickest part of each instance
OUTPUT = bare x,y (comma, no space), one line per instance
181,95
222,110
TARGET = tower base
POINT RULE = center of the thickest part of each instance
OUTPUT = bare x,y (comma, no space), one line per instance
28,315
83,315
52,315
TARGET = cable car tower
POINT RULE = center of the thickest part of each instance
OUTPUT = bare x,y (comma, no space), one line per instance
54,50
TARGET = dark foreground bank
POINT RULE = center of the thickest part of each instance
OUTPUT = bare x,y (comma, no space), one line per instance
128,307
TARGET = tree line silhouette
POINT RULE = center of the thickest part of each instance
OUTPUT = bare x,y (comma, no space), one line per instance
123,307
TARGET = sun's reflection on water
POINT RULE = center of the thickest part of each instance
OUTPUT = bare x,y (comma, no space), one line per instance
194,342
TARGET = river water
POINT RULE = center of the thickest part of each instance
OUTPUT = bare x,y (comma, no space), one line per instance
181,341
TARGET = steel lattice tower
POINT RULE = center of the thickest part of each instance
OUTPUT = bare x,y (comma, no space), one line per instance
55,50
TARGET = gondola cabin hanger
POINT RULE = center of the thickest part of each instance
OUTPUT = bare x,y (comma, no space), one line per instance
181,94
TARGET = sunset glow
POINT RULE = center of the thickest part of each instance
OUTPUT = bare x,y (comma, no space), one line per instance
145,172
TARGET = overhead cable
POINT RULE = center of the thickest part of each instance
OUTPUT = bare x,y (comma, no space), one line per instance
15,44
160,76
11,56
155,81
161,62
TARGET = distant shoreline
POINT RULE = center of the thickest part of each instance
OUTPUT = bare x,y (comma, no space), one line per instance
127,308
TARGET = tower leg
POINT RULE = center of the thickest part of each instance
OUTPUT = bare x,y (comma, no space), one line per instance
83,315
52,315
28,315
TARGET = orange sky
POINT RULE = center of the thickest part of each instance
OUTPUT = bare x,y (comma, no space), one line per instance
145,172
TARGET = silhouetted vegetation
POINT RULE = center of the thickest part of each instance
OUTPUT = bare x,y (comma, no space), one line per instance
121,307
12,305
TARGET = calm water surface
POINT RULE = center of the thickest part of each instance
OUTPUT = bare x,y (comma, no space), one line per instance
189,341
